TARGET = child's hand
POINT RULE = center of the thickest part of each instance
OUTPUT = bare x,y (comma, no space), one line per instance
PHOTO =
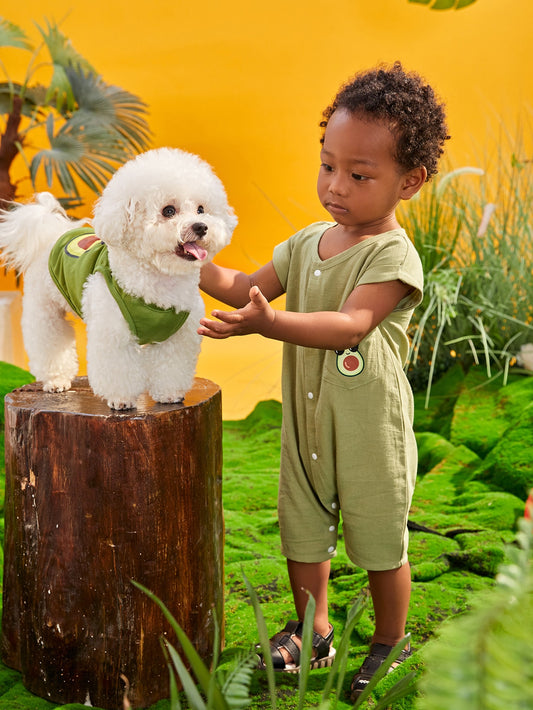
256,317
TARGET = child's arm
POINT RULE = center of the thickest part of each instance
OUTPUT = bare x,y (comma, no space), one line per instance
364,309
233,287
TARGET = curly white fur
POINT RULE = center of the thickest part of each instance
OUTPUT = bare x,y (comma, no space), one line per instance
162,216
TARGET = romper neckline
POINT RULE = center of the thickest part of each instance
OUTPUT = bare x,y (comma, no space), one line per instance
347,252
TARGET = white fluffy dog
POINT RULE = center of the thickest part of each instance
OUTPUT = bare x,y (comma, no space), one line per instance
161,217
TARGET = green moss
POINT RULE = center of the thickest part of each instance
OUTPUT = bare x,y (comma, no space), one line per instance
437,417
457,492
441,484
432,449
18,698
428,555
485,410
481,552
509,466
11,377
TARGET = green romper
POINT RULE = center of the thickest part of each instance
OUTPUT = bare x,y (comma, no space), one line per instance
347,437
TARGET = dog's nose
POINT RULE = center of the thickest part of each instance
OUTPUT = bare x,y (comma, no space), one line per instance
199,228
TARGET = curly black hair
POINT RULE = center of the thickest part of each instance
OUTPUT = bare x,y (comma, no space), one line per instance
409,107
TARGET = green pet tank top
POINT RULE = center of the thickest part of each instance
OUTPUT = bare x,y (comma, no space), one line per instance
80,253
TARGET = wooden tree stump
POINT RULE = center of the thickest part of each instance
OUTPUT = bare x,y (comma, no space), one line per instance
94,499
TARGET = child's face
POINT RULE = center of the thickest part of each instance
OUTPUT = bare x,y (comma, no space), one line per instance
359,182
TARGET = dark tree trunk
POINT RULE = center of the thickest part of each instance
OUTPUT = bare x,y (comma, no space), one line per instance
94,499
9,151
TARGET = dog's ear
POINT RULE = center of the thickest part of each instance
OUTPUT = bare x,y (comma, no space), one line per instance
113,219
231,220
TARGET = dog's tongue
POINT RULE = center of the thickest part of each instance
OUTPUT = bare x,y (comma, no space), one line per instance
195,250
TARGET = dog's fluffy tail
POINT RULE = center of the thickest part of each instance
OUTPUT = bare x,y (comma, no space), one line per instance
28,230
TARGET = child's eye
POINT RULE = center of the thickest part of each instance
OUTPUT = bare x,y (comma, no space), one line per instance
358,177
326,167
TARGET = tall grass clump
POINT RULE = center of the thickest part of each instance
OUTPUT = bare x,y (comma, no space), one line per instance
226,684
472,228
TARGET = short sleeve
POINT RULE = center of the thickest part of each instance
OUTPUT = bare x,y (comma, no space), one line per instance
397,260
281,259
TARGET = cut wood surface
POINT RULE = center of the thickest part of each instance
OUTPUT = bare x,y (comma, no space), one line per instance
94,499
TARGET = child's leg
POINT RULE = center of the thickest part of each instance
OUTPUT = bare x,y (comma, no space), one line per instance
306,578
313,578
391,591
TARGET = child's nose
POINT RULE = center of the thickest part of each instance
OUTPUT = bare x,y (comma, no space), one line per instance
338,184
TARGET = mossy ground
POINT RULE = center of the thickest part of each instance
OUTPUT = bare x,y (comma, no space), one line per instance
473,477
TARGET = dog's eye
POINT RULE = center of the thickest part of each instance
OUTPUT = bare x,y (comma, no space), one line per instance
200,209
168,211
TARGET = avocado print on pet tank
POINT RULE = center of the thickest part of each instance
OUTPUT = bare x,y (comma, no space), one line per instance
350,362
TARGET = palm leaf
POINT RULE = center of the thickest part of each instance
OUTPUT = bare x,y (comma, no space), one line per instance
32,98
111,108
63,56
444,4
12,36
88,153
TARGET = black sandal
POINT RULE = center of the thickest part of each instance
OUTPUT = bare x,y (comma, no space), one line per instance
324,651
377,656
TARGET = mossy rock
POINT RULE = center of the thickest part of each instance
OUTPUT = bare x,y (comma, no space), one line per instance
18,698
434,601
443,481
432,449
481,552
428,555
509,466
491,510
265,417
485,409
446,500
437,417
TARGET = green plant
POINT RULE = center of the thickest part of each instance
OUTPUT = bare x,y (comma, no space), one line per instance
484,659
230,689
88,127
444,4
223,690
474,241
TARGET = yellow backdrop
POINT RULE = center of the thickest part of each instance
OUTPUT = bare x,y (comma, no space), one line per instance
243,84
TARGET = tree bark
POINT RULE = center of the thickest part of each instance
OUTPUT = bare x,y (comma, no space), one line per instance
9,151
94,499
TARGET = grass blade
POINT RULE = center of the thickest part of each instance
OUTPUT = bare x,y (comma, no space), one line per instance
382,670
307,649
263,640
187,682
341,657
200,670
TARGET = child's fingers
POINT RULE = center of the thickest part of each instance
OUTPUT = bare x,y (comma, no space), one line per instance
225,327
227,316
256,296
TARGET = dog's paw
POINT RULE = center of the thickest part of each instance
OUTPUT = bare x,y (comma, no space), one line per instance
120,405
57,384
170,399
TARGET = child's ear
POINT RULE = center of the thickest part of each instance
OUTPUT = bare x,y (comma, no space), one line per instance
413,181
